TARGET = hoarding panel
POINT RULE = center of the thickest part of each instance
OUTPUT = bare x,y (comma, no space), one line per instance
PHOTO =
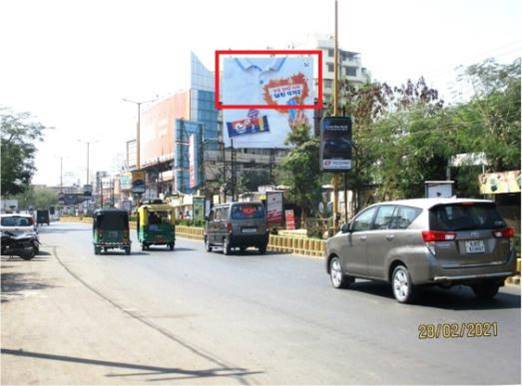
336,144
268,81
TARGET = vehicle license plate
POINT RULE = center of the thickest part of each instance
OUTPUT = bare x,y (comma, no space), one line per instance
475,246
249,230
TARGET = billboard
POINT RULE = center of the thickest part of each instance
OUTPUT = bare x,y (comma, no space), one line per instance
193,162
126,181
157,128
336,144
266,81
500,182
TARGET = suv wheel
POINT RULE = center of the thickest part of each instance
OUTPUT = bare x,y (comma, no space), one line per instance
337,277
486,290
402,286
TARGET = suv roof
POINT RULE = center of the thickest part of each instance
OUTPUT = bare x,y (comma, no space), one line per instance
427,203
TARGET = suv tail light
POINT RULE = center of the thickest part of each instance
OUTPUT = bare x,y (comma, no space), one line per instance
506,233
125,235
229,227
430,236
100,233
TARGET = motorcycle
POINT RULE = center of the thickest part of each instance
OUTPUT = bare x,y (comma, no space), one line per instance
25,245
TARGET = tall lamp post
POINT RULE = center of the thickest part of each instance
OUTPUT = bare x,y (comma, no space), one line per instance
335,111
89,143
138,128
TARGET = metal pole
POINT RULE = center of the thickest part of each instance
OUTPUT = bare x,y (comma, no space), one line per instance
335,106
232,169
87,163
61,174
346,198
138,142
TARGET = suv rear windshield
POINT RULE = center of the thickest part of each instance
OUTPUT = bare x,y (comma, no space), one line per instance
247,211
465,216
17,221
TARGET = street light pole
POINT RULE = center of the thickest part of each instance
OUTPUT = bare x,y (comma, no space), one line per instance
88,157
335,108
138,128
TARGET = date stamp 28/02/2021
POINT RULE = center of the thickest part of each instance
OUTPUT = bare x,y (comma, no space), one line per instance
458,330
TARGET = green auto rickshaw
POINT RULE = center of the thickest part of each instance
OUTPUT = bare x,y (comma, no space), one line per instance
156,224
110,230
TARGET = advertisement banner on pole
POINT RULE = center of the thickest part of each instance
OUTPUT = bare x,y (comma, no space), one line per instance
138,182
193,162
290,219
274,207
198,210
126,181
336,144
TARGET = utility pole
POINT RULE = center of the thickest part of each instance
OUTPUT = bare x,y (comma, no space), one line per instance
61,175
233,168
138,128
335,110
88,157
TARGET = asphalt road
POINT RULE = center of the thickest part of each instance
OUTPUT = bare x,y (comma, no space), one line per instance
189,316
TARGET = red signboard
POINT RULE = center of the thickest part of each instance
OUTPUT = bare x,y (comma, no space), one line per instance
290,219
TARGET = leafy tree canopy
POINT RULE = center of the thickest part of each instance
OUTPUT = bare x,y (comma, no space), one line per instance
19,133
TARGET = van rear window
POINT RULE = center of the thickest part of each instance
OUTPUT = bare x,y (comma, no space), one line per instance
465,216
112,221
247,211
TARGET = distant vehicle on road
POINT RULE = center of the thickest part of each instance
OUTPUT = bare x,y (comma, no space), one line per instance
42,217
237,225
411,243
20,225
156,224
110,230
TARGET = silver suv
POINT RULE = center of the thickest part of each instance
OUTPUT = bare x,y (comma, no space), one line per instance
416,242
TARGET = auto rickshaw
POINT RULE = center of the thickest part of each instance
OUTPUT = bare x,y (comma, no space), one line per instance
156,224
42,217
110,230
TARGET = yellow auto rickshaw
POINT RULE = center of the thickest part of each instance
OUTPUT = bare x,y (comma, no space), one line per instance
156,224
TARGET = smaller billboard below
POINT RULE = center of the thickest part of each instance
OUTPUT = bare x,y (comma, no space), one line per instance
126,181
500,182
138,182
336,144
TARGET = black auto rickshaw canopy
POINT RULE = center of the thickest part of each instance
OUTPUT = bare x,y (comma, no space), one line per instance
111,219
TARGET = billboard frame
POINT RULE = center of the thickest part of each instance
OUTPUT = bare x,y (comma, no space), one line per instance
315,106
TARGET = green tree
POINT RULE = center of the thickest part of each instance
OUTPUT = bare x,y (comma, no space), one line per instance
300,171
250,180
37,197
19,133
490,122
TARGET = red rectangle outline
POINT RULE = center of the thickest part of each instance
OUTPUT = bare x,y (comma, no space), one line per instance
220,106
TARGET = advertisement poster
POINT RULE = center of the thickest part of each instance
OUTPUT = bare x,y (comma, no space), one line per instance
266,81
138,182
501,182
336,144
290,219
198,208
274,208
126,181
193,162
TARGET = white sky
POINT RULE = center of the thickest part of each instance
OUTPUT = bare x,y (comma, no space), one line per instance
71,62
